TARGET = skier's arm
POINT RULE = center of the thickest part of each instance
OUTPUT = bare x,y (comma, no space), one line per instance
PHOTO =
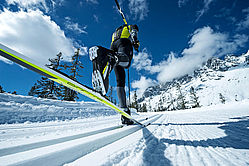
135,43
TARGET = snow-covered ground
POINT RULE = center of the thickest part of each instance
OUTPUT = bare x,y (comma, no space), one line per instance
214,135
25,109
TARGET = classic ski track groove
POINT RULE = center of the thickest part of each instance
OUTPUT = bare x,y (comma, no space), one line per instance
219,151
199,155
25,147
117,158
139,144
202,153
57,125
77,147
48,126
190,137
188,145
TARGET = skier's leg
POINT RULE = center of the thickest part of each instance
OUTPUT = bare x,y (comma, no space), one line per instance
123,59
103,61
124,56
121,97
120,77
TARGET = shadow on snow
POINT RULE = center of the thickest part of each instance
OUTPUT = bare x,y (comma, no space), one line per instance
237,134
153,154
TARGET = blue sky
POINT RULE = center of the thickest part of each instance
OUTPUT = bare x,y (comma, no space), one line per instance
176,36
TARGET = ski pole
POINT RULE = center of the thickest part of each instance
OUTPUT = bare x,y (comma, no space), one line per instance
121,13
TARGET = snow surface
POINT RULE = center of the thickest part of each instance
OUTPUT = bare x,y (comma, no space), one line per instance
233,84
20,109
213,135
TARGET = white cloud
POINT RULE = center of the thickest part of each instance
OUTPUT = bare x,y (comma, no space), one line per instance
244,24
92,1
182,2
204,9
139,9
96,18
75,27
29,4
43,5
141,85
34,34
142,60
204,44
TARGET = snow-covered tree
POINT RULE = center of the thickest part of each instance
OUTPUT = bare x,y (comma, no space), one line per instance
222,98
149,107
160,105
194,99
56,62
46,88
1,89
74,68
181,101
247,59
170,103
135,104
143,108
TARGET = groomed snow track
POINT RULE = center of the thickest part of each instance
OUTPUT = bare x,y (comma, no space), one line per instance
69,148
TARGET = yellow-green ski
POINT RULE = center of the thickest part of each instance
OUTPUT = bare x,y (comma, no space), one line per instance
60,78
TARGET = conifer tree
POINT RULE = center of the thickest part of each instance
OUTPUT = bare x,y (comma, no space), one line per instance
194,98
135,102
74,68
33,90
160,105
171,101
44,87
1,89
149,107
181,102
222,98
144,107
55,63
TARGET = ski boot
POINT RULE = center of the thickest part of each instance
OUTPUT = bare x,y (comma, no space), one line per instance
125,120
103,61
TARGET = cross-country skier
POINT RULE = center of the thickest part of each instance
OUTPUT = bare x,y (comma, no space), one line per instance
124,39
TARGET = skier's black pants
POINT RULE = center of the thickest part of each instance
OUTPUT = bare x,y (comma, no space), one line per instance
120,76
124,48
125,52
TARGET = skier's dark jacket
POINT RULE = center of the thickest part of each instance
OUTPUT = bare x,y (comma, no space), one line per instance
122,43
123,40
123,32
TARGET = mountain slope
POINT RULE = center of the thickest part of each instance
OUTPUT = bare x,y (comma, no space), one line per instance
227,78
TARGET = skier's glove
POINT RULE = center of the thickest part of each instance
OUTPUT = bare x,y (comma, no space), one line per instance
136,45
